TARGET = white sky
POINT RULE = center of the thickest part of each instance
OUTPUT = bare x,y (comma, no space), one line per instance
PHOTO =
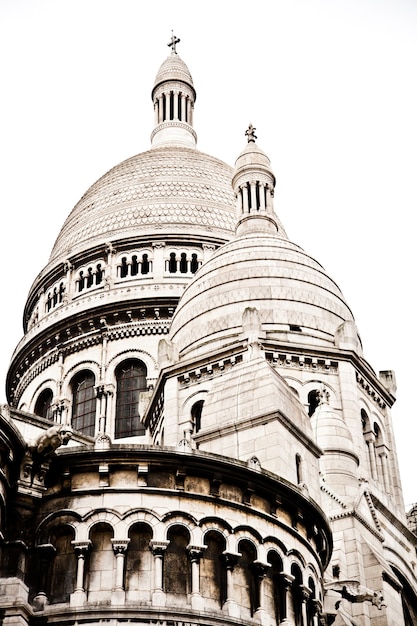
330,86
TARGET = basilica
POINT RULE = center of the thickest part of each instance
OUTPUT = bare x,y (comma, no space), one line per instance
193,435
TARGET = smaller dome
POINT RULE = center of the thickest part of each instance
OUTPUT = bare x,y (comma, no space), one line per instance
173,68
253,156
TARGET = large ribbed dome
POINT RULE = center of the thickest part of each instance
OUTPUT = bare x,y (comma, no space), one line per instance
176,187
292,292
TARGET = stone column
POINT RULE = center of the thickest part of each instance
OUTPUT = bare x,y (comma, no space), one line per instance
254,203
158,595
305,593
45,553
175,98
262,206
245,198
183,108
384,467
79,597
231,606
370,440
286,582
195,553
260,571
119,549
318,607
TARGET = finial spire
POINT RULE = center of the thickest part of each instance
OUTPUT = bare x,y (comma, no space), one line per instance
250,134
173,43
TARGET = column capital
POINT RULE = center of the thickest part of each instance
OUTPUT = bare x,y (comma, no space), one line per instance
81,546
158,547
287,580
120,545
231,558
305,592
260,568
196,552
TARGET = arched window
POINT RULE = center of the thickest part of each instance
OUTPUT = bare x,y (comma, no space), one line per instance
100,563
172,265
313,401
139,563
177,566
296,597
135,265
274,589
244,579
84,403
194,263
131,380
145,268
196,411
124,268
183,263
213,571
43,406
64,566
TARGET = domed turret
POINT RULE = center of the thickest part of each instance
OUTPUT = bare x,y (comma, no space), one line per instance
260,268
173,96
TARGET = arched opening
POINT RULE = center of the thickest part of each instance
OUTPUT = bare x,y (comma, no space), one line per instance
84,403
196,412
194,263
145,267
135,266
212,571
172,265
311,610
183,263
64,566
43,405
296,598
175,561
101,563
274,590
244,580
131,381
139,563
313,401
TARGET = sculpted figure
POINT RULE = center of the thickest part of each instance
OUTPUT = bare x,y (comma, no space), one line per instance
54,437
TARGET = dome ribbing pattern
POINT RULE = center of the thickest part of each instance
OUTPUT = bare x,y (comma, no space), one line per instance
179,188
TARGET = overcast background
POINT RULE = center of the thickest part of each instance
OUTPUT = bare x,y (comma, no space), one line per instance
330,86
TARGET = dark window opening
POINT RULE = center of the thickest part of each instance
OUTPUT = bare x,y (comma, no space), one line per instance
43,406
81,281
124,268
196,411
84,403
145,264
99,274
183,263
131,381
135,266
172,263
171,106
194,263
313,401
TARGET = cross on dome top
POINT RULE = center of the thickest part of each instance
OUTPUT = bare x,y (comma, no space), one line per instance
250,134
173,43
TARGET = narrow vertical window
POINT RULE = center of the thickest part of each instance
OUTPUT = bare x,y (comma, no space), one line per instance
84,403
43,406
131,380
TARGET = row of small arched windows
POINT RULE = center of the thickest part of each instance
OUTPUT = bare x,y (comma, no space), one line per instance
130,382
93,276
251,584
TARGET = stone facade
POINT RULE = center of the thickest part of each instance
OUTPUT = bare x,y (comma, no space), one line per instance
193,434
